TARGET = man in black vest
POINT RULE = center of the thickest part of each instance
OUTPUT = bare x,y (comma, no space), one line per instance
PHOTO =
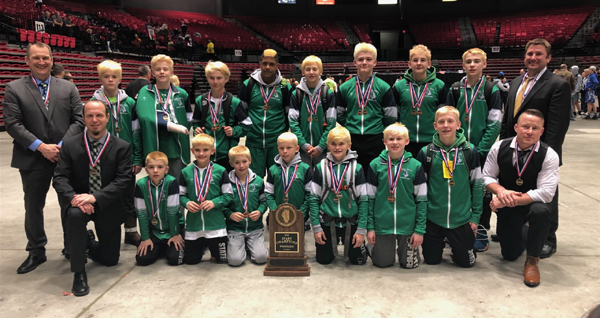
522,172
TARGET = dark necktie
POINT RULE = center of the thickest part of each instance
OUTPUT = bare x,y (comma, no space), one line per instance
44,87
95,179
522,157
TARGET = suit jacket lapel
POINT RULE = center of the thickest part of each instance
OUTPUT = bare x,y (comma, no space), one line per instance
35,94
536,88
109,144
54,90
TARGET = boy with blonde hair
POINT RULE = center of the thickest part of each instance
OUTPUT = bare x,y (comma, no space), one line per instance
312,113
204,190
479,104
418,95
397,188
365,105
288,180
157,205
244,213
122,123
454,191
339,202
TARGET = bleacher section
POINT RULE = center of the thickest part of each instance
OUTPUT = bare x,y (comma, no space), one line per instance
437,34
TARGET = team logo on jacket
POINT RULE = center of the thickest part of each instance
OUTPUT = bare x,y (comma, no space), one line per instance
404,175
252,187
430,93
123,110
204,102
177,103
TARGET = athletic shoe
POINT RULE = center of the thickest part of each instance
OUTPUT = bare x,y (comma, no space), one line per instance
595,116
481,240
587,116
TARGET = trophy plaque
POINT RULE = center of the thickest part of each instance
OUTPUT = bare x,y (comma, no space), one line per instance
286,243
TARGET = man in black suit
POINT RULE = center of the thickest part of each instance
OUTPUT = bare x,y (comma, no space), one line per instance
134,86
539,89
93,175
39,112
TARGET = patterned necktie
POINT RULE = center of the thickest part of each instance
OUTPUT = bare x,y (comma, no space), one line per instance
95,180
520,97
44,87
522,156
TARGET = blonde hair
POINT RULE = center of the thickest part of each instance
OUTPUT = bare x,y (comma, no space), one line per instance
157,156
447,110
420,48
396,129
175,80
162,58
203,140
474,50
287,137
238,151
109,66
314,60
270,53
365,47
217,66
338,134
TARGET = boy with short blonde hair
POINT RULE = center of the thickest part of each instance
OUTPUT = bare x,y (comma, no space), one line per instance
204,189
157,205
339,202
312,113
288,180
397,188
454,191
244,213
122,123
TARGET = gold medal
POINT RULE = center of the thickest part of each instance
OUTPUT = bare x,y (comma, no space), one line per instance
286,199
391,198
419,112
93,172
216,127
337,198
451,182
246,214
166,117
467,119
154,221
519,182
266,107
364,112
117,130
309,119
414,113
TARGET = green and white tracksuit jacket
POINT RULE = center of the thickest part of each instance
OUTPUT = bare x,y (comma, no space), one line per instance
256,201
299,191
165,199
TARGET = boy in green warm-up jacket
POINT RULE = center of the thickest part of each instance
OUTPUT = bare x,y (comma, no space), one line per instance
418,95
157,205
397,188
339,202
204,190
244,213
454,191
122,123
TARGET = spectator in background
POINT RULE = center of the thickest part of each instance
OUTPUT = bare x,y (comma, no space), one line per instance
134,86
564,73
184,28
590,95
576,94
346,70
503,85
69,26
58,23
210,50
330,82
38,4
47,19
175,80
522,71
58,70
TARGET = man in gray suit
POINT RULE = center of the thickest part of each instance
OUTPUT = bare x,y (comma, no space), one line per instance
39,112
539,89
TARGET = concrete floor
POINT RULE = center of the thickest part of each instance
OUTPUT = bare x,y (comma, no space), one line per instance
493,288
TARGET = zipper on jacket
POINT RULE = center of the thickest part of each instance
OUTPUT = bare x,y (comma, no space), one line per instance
263,129
158,206
449,203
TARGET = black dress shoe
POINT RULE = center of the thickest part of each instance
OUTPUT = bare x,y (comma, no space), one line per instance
80,284
547,251
66,254
495,238
31,263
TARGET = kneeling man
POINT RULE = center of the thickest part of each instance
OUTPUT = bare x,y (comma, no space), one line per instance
93,174
522,172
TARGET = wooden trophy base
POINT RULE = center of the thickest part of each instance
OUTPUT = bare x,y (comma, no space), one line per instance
285,266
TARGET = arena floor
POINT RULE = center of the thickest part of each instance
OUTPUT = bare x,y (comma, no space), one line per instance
493,288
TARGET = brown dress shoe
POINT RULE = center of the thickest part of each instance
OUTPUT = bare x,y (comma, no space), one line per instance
132,238
531,273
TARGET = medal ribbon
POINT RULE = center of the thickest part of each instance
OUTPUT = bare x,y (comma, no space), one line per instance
451,172
165,106
530,86
266,98
337,182
363,99
243,191
202,186
393,175
314,103
158,199
287,182
94,162
520,170
47,91
468,105
214,113
114,114
417,100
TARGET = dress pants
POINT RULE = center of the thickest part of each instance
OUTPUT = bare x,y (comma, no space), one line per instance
368,147
551,239
461,242
516,237
105,251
